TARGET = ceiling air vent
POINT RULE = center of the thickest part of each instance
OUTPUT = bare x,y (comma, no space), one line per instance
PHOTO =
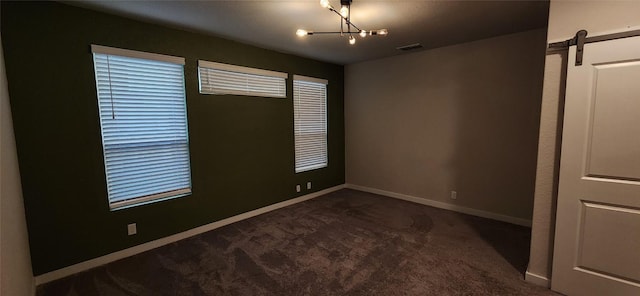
410,47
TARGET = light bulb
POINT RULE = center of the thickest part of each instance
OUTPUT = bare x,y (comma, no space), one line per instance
324,3
363,33
301,32
383,32
344,11
352,40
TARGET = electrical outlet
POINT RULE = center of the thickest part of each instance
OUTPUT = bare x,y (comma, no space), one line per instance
298,188
309,185
132,229
454,195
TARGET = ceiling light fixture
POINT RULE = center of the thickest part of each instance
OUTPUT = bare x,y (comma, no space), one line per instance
345,21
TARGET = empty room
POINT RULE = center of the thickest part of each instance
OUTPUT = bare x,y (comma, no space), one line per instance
320,147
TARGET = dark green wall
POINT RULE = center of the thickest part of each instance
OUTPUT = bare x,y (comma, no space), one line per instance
241,147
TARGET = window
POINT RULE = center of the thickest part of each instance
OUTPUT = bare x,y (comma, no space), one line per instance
310,122
222,79
143,119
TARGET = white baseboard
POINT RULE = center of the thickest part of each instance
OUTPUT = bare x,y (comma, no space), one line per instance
102,260
537,279
446,206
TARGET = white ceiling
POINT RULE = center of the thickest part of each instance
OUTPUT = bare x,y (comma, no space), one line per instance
272,23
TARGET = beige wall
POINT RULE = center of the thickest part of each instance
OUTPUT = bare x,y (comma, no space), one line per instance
16,277
565,19
461,118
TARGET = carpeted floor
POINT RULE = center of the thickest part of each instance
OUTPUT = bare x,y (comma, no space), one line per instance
344,243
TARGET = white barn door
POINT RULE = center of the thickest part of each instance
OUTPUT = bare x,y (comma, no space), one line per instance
597,241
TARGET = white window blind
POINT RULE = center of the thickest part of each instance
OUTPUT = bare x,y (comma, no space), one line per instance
142,109
217,78
310,123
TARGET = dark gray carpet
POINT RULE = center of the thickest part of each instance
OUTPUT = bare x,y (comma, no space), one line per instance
344,243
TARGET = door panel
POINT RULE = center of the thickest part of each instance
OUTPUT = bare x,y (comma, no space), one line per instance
615,111
602,227
597,243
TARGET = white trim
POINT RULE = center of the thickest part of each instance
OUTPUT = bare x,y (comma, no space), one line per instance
124,204
310,79
311,167
241,93
136,54
99,261
537,279
241,69
446,206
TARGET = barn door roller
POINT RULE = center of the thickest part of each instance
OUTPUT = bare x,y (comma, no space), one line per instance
578,40
581,39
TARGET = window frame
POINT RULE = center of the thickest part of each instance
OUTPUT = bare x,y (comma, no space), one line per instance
181,142
323,151
272,83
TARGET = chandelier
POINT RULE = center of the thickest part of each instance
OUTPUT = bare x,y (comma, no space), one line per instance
345,21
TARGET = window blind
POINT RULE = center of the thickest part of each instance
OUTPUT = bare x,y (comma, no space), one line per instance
310,123
217,78
142,110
